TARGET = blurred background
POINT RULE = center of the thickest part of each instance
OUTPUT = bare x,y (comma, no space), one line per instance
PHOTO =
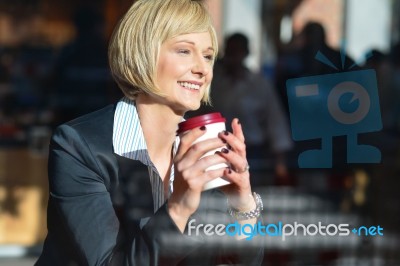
53,67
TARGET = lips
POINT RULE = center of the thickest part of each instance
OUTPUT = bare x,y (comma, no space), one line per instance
189,85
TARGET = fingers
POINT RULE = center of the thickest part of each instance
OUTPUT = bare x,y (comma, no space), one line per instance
237,163
237,129
190,159
235,154
194,158
192,171
190,151
199,181
202,166
201,148
187,139
240,179
235,141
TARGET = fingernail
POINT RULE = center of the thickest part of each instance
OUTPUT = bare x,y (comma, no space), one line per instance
217,152
223,141
238,122
224,150
229,147
203,128
229,171
226,133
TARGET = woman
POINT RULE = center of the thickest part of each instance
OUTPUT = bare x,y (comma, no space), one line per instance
122,186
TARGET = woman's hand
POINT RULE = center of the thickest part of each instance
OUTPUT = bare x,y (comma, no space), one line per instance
239,191
191,174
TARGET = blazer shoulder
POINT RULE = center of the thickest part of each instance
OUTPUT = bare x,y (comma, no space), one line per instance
95,127
95,130
104,116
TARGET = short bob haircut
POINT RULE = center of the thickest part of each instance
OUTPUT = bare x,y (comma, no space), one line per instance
136,41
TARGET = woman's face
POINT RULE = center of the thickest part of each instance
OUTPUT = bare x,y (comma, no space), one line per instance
184,70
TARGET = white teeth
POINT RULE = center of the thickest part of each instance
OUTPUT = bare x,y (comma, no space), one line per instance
189,85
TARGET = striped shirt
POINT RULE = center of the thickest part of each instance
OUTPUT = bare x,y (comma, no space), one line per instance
129,142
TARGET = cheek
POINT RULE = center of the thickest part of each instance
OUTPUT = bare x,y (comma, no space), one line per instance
167,73
173,68
166,68
160,75
177,70
210,76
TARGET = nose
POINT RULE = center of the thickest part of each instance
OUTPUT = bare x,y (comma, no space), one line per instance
201,66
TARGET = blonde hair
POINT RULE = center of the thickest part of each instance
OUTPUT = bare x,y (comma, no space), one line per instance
136,41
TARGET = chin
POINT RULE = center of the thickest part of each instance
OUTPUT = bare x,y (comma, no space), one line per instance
194,107
190,105
184,108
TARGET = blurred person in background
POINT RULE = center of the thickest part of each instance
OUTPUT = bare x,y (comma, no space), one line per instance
123,186
395,87
239,92
298,59
379,61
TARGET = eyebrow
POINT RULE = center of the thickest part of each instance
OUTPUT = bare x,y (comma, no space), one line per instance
193,43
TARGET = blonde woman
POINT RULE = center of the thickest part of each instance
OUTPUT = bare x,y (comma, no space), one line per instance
123,187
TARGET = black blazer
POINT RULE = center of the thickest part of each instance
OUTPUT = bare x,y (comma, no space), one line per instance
100,209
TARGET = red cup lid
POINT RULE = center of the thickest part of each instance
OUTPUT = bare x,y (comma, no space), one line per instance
199,121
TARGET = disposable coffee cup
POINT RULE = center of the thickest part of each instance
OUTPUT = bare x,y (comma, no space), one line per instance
214,123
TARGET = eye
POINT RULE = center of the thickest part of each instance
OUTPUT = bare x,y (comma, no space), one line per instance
209,57
183,51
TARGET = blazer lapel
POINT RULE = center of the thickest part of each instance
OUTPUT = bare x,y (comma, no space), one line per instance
128,180
134,189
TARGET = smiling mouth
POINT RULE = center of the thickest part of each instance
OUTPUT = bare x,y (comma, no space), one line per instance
190,86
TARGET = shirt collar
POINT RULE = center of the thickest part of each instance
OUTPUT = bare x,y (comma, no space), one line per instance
128,138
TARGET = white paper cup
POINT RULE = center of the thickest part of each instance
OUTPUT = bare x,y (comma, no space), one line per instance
214,123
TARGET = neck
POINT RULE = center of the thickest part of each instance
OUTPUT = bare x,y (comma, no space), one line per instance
159,124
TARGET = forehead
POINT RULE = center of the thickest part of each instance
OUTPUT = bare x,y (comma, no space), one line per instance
202,39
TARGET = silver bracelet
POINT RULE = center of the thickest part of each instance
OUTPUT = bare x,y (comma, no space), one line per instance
239,215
